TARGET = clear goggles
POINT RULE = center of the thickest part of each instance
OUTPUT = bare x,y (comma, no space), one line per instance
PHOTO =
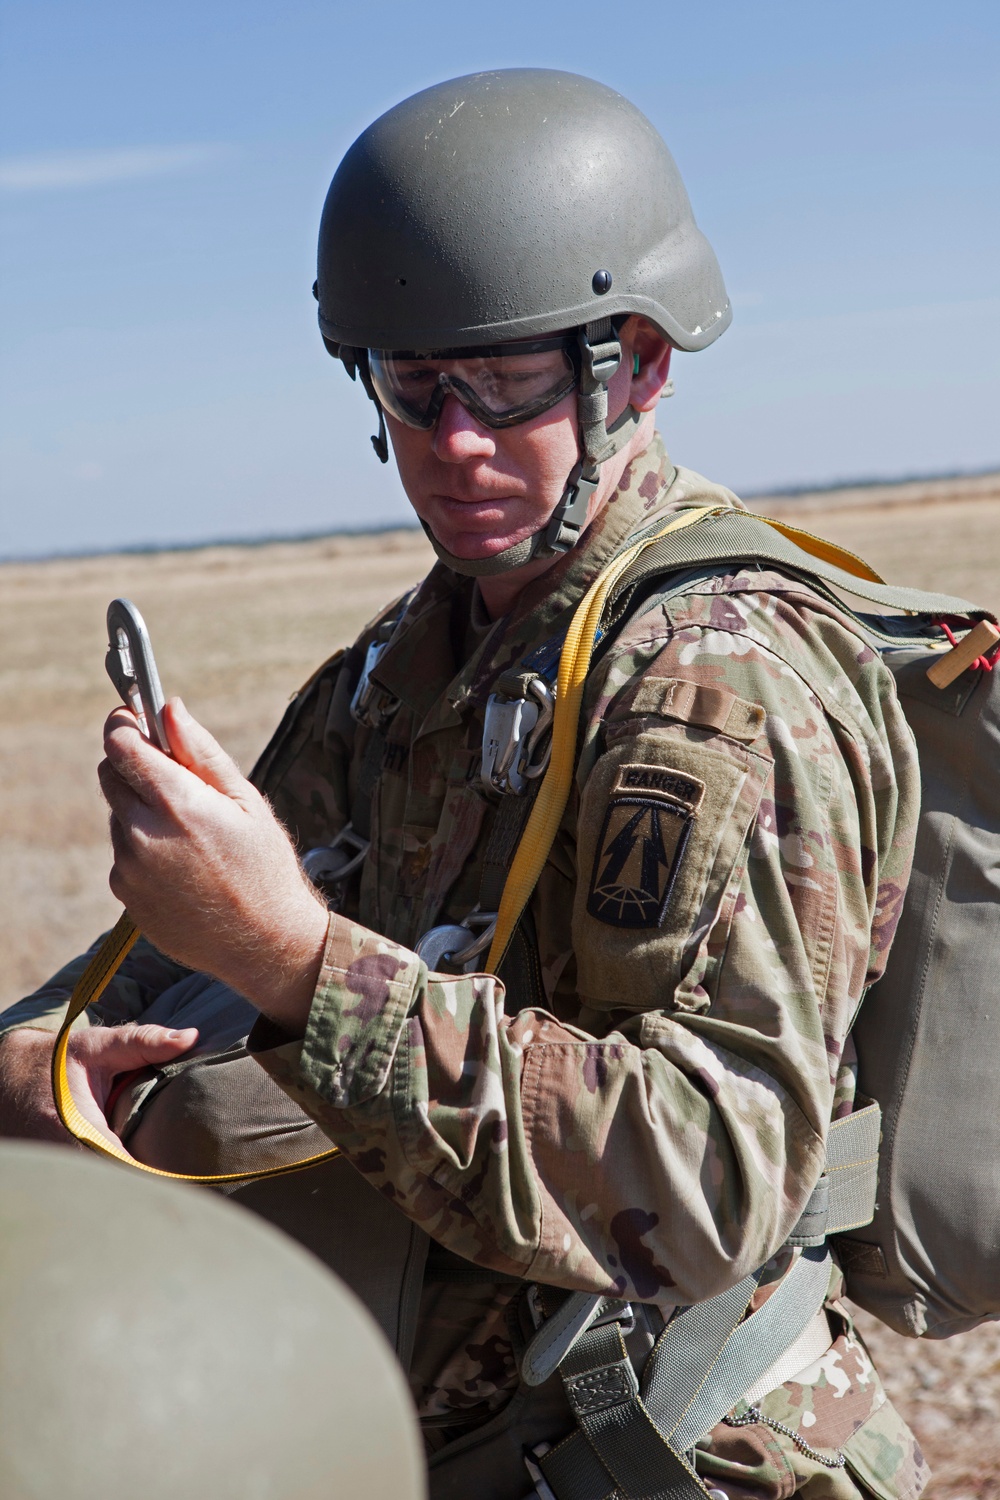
500,386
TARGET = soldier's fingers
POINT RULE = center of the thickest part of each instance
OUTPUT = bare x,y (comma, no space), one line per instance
133,759
108,1050
201,753
125,802
180,784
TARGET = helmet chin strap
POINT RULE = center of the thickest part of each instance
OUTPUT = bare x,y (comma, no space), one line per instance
600,356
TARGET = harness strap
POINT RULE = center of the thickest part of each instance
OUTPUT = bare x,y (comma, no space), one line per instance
844,1197
632,1439
687,1411
558,1334
603,1393
550,803
736,536
368,775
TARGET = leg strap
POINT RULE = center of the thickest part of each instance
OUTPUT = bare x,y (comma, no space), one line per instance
616,1428
631,1442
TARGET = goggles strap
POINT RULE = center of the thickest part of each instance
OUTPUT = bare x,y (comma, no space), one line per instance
379,440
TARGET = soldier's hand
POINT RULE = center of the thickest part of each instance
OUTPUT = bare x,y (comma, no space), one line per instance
97,1056
94,1059
205,869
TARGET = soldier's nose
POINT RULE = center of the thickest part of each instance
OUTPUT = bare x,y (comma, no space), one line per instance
458,437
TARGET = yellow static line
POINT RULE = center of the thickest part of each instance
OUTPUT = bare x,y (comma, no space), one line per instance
90,987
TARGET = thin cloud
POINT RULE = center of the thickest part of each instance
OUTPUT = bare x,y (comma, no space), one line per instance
85,169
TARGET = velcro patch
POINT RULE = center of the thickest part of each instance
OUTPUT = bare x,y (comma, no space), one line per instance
659,782
642,843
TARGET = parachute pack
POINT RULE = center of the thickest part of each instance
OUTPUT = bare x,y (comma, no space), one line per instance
928,1033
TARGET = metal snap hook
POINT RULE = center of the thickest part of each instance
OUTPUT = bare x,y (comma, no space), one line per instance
450,943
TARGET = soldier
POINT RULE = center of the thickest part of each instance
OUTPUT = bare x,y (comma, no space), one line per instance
636,1107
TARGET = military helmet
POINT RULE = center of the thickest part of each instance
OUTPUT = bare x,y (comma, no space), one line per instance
507,206
158,1341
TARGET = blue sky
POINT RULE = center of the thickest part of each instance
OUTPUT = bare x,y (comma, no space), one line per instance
162,168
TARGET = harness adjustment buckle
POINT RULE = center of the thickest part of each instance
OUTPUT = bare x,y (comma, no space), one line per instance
328,866
457,944
371,705
516,739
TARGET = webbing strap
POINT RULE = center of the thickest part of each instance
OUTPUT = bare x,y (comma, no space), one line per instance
368,775
752,1347
701,1366
90,987
689,1354
683,543
501,846
550,803
558,1334
573,1471
631,1442
603,1392
844,1198
731,535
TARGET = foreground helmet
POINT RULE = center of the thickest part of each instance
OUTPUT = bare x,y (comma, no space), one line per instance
509,206
158,1342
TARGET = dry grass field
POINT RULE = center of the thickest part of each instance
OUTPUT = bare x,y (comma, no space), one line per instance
236,629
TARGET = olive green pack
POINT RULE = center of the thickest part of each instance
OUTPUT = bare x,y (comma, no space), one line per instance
928,1033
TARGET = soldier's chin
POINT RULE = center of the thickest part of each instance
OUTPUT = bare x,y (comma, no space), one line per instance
473,546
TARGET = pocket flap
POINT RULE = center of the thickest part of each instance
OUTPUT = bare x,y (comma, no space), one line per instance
885,1456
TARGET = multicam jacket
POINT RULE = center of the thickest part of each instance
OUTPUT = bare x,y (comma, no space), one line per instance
725,884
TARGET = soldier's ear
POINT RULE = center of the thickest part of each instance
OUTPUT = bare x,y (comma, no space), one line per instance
651,362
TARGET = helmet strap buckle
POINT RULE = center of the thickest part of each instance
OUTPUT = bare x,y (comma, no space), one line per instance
570,515
600,359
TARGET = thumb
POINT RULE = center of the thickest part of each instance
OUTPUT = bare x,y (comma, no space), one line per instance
120,1049
195,749
98,1055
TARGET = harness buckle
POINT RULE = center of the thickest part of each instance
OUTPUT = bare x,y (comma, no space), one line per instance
329,865
457,944
516,742
371,705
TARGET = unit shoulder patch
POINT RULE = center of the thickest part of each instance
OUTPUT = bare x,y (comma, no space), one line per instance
643,838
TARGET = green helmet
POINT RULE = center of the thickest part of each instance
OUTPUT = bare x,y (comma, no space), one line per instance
508,206
159,1342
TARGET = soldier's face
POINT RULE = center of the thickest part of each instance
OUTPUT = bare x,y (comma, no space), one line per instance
482,489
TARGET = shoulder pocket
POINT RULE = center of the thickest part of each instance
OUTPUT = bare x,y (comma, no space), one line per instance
662,833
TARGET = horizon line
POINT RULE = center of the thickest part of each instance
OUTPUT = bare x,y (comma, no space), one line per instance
277,538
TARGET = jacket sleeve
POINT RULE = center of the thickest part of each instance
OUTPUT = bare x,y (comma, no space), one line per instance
741,846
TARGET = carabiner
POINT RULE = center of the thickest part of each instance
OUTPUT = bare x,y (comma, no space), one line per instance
514,729
450,943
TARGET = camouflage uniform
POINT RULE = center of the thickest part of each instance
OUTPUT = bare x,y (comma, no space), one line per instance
725,883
